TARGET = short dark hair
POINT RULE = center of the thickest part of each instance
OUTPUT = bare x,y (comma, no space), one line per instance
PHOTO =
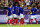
10,4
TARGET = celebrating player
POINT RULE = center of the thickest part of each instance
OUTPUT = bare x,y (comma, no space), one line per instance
9,12
33,15
14,15
21,15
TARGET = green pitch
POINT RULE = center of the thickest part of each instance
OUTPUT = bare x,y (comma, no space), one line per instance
28,25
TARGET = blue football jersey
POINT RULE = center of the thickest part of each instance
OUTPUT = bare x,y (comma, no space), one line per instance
18,13
34,10
14,10
9,11
20,10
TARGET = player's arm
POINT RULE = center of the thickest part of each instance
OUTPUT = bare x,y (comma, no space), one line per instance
7,12
29,12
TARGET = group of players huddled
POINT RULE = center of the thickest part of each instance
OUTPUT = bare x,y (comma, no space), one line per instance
15,15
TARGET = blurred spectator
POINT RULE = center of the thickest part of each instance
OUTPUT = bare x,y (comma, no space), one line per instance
2,4
39,3
10,2
36,3
30,7
25,7
22,0
16,1
24,3
5,5
27,3
16,5
38,6
33,4
13,1
32,0
21,3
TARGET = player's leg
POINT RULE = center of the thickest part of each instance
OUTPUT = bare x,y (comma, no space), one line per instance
11,20
17,19
22,19
31,21
14,21
32,18
36,19
8,20
14,15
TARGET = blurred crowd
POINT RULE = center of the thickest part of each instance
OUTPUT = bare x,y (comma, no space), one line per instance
26,4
